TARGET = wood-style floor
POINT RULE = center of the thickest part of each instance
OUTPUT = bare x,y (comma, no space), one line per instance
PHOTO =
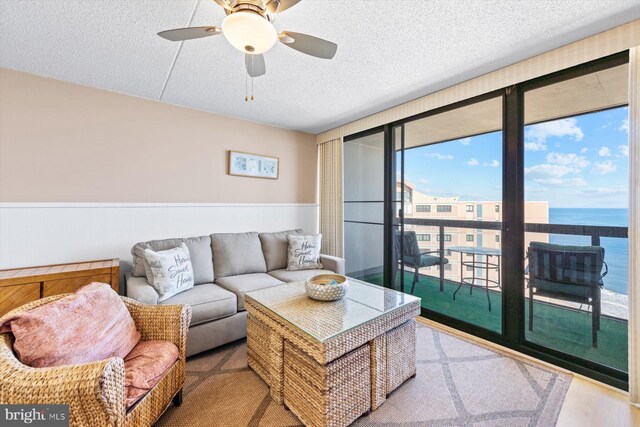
587,403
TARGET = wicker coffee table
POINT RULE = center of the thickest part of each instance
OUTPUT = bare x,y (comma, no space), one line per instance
331,362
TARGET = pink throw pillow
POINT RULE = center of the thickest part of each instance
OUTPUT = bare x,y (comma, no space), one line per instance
90,325
145,366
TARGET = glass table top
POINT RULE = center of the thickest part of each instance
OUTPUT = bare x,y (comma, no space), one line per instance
324,320
475,250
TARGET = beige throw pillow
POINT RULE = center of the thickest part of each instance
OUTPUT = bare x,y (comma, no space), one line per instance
169,272
304,252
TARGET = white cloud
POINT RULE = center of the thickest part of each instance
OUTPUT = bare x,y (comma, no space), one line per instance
569,159
465,141
546,170
606,191
624,127
584,150
604,168
537,135
535,146
604,152
562,182
440,156
473,162
624,150
554,175
537,190
492,163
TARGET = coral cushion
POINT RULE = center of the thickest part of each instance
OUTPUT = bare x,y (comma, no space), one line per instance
145,366
90,325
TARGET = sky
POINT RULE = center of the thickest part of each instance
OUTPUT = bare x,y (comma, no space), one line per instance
577,162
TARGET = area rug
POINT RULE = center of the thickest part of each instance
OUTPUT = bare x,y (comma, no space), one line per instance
458,383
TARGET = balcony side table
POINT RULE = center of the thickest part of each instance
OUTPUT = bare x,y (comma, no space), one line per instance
485,264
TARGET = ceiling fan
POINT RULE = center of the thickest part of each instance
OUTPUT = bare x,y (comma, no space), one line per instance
249,28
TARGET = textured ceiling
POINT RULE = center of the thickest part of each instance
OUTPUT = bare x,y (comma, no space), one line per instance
389,51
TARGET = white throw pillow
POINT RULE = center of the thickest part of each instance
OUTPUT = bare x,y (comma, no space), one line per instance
169,272
304,252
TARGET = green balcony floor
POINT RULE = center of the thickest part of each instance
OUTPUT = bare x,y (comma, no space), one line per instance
556,327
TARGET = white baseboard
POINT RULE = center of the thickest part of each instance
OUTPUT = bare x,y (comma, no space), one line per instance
48,233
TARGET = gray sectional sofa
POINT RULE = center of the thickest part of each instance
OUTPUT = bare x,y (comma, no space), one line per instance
225,266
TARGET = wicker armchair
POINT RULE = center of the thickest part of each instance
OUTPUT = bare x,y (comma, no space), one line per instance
95,391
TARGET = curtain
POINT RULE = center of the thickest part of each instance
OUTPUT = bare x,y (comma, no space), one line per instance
634,225
331,198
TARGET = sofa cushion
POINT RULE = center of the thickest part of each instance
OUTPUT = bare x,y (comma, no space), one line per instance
90,325
140,290
237,253
298,275
145,366
208,302
247,283
199,249
275,246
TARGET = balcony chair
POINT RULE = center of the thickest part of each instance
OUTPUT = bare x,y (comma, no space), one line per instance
412,257
568,273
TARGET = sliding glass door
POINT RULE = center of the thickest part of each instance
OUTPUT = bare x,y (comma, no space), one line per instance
507,214
364,206
448,246
576,192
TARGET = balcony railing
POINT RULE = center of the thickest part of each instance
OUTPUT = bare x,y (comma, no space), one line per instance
594,231
560,324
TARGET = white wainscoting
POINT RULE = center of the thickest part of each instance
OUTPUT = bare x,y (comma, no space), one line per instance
48,233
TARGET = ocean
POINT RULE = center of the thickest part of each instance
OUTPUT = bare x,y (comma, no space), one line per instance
615,250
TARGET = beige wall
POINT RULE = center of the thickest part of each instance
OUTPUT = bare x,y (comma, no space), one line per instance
62,142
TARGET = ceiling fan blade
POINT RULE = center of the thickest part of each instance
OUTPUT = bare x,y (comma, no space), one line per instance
190,33
310,45
279,6
255,65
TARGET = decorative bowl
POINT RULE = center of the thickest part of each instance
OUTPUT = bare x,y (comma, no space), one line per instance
326,287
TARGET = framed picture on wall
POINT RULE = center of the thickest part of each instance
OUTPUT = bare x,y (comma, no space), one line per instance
253,165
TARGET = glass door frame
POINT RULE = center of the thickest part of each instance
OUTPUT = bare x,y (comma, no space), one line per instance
577,364
509,327
513,220
400,125
373,131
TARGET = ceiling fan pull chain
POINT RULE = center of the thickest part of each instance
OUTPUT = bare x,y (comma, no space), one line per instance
246,90
252,57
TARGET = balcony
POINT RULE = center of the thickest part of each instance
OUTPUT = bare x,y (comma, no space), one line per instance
557,324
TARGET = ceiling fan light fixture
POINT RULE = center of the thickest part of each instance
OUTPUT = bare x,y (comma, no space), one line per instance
249,32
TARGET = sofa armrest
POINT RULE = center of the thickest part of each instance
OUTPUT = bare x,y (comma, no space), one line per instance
333,263
140,290
161,322
94,391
